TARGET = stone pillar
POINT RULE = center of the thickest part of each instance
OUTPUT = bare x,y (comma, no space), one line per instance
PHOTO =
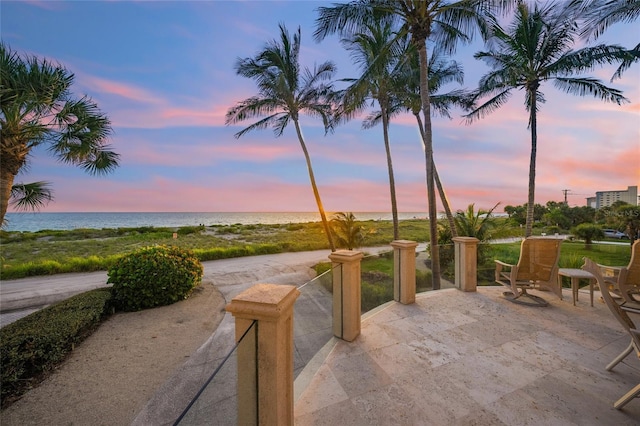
466,263
404,271
265,363
346,294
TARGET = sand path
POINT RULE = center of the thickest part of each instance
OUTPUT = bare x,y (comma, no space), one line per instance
110,376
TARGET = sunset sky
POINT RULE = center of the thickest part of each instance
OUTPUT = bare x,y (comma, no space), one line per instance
164,74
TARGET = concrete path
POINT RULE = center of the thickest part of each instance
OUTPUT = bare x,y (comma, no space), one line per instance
20,297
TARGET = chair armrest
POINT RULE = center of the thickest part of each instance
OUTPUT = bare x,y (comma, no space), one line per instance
500,266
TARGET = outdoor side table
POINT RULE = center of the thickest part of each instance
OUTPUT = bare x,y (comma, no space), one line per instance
576,275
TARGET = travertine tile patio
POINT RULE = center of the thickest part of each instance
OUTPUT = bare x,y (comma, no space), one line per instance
456,358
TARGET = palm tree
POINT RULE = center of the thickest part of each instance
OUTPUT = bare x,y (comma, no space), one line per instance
475,224
407,98
444,21
537,48
375,51
285,91
348,233
37,109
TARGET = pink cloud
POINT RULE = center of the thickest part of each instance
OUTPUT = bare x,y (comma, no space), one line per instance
202,153
136,107
127,91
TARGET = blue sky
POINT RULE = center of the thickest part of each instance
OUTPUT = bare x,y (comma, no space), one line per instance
164,74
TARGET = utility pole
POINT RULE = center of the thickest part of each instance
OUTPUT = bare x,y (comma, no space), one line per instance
565,192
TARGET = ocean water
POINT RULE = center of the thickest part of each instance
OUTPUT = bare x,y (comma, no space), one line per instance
32,222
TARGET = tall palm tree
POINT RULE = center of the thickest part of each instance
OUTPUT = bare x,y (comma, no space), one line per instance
537,48
375,51
445,21
285,91
37,109
407,99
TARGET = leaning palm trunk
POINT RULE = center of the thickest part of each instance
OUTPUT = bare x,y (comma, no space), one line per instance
392,184
13,158
532,165
428,152
443,195
445,202
6,182
323,216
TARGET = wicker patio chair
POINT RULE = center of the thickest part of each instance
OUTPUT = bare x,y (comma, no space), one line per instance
621,315
537,268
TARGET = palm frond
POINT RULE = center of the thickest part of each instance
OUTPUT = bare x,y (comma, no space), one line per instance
259,125
600,15
590,86
633,56
586,59
30,196
488,106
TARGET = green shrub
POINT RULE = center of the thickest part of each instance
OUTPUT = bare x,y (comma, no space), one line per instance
588,232
322,267
376,288
186,230
423,280
154,276
216,253
36,344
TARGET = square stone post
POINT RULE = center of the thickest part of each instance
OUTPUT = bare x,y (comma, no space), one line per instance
265,363
404,271
466,263
346,294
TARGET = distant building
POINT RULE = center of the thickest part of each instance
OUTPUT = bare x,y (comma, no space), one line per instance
606,198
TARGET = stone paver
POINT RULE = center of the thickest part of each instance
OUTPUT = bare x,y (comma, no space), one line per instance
473,358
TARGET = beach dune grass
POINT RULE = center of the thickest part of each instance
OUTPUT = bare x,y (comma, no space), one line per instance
24,254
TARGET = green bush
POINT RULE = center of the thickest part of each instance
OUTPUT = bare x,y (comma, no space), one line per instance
376,288
588,232
186,230
36,344
423,280
154,276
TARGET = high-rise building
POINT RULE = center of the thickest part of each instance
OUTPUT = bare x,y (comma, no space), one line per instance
606,198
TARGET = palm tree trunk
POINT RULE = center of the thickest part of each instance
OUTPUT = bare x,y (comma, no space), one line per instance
428,153
323,216
443,195
392,183
445,202
6,183
532,165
